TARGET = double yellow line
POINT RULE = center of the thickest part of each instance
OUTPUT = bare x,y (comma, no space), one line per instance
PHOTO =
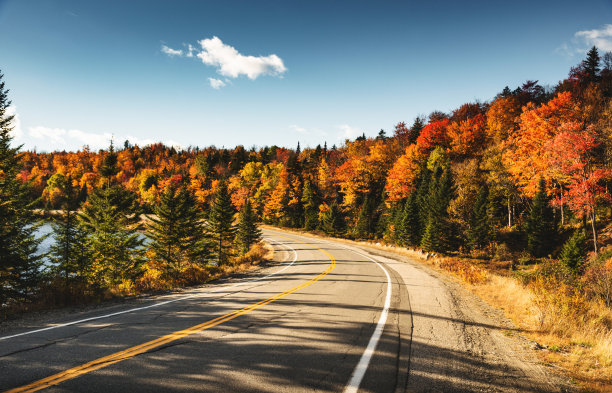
158,342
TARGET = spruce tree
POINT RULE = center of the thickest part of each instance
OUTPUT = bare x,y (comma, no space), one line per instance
20,265
437,234
333,221
247,232
540,225
69,253
219,224
410,225
479,225
574,252
177,232
364,224
310,203
591,64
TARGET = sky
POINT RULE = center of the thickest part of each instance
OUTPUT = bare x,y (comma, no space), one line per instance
256,73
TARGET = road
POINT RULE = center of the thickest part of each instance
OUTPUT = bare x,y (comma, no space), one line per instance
326,316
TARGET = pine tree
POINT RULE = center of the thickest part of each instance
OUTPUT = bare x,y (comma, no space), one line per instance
69,252
333,221
437,234
574,252
591,64
220,223
110,217
479,225
410,225
20,266
364,226
540,226
177,231
247,232
310,202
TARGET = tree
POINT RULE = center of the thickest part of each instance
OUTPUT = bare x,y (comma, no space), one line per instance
220,225
410,229
247,232
333,221
574,252
310,203
437,235
110,217
591,66
572,164
364,226
540,225
177,231
69,252
479,231
19,263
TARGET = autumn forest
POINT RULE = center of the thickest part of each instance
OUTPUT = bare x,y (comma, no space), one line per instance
523,177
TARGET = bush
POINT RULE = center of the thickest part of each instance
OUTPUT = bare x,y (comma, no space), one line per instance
574,252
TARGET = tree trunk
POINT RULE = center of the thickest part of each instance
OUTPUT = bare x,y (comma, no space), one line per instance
594,232
509,213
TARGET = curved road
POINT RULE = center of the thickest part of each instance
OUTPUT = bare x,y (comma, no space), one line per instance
326,317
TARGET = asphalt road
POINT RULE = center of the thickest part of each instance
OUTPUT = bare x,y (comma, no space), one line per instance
326,316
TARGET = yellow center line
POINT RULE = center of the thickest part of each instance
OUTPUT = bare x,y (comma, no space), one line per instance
147,346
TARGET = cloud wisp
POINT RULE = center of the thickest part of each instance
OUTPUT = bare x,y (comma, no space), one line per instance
348,132
585,39
60,138
601,38
228,61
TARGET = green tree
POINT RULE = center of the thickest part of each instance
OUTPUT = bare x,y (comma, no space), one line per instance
574,252
591,64
247,232
479,231
364,226
411,225
540,225
437,234
177,232
333,221
20,265
110,218
310,203
69,253
219,224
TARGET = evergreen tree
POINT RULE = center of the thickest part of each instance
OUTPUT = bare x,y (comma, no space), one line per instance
364,226
177,231
540,225
574,252
247,232
69,253
310,203
591,65
20,266
410,225
110,219
479,225
333,221
437,235
220,223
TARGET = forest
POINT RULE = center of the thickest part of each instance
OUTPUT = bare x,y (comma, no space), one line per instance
522,178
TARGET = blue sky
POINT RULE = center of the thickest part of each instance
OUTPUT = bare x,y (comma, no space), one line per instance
80,71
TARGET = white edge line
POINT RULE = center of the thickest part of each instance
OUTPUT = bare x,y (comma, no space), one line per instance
157,304
359,372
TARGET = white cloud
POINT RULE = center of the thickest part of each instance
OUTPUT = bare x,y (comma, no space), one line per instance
216,83
171,52
348,132
231,63
16,132
190,50
299,129
601,38
59,138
